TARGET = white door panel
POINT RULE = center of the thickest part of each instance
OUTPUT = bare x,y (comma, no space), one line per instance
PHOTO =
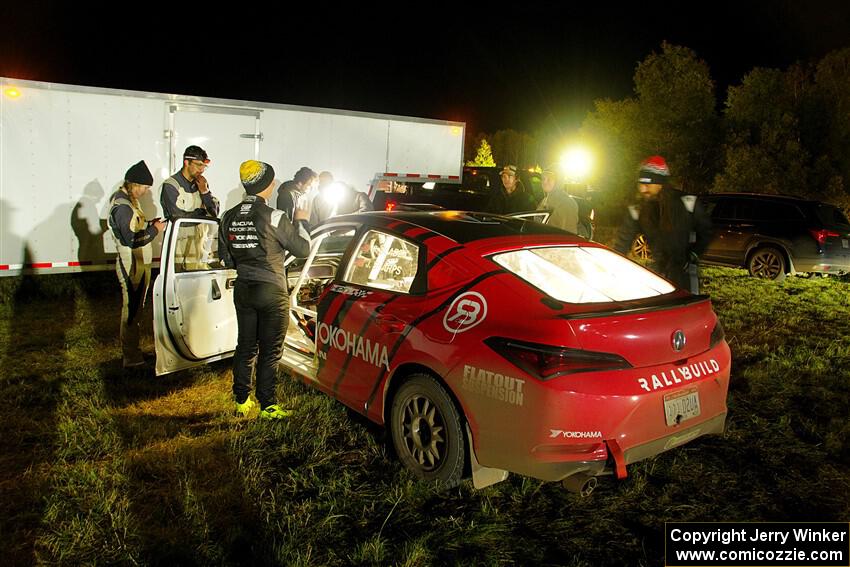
194,315
207,325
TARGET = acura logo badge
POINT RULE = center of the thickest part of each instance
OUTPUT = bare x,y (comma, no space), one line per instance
678,341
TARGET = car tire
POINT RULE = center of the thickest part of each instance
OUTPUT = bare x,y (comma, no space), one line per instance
427,432
640,248
768,263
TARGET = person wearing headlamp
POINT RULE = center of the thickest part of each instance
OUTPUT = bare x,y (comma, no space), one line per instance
186,194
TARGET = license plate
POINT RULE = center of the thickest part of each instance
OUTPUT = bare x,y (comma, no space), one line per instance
845,243
681,406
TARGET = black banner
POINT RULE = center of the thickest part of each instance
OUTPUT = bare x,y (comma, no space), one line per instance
761,544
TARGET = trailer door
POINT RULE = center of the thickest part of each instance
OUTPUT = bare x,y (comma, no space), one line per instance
194,315
229,135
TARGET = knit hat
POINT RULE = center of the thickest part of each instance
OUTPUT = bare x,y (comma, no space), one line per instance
509,169
653,170
256,176
139,173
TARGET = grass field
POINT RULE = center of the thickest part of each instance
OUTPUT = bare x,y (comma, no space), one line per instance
101,466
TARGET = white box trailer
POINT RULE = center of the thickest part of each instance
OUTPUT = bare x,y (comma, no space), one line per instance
64,150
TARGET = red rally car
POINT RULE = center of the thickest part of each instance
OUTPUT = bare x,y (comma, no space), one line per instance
485,344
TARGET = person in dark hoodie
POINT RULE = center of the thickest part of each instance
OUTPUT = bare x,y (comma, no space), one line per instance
133,235
675,225
255,238
510,196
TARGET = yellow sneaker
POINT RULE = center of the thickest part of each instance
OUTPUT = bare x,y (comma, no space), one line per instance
275,412
243,408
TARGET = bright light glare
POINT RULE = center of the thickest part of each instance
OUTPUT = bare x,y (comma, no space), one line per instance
334,193
12,92
576,163
429,185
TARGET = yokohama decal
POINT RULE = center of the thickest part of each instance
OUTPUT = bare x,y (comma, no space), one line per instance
365,326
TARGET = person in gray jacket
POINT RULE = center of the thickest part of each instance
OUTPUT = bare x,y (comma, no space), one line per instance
564,209
255,238
133,235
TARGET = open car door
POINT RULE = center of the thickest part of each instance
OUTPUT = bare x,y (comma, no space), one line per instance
194,315
309,279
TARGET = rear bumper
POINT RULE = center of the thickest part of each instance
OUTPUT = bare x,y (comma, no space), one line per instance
821,265
614,461
714,426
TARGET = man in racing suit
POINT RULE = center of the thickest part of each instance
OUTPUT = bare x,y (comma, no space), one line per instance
133,235
186,194
254,238
675,225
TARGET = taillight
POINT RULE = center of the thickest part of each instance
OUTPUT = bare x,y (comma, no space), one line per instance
546,362
717,335
390,206
820,236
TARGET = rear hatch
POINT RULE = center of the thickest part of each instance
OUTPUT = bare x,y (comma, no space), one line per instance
649,332
833,232
616,306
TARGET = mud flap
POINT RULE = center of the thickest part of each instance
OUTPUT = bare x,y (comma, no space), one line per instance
482,477
619,458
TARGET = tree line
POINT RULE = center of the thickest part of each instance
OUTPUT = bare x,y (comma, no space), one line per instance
778,131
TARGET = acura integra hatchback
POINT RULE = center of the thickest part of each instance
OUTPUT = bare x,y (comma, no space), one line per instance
484,344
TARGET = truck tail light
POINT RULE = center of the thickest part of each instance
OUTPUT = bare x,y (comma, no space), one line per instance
390,206
545,362
820,236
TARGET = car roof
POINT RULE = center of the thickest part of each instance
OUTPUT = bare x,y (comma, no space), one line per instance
461,226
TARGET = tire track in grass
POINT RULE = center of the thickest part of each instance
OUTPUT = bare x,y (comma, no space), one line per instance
87,517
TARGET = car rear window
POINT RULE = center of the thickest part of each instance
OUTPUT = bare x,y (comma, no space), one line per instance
579,274
831,215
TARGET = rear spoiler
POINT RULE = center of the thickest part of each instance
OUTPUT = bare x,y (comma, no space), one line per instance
641,306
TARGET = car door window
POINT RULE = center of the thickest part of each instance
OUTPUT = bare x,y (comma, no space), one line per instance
384,261
746,210
722,209
196,247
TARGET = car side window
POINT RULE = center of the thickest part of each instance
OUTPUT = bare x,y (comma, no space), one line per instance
723,209
384,261
747,209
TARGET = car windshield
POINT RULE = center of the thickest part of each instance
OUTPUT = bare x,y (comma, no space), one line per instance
578,274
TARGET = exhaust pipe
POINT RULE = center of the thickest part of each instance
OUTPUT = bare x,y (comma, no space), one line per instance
580,483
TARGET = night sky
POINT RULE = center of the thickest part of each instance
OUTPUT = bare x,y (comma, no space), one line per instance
536,70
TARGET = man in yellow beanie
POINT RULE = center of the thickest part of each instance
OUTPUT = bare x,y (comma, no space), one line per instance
254,238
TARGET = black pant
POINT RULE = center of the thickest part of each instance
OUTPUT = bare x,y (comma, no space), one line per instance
262,315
